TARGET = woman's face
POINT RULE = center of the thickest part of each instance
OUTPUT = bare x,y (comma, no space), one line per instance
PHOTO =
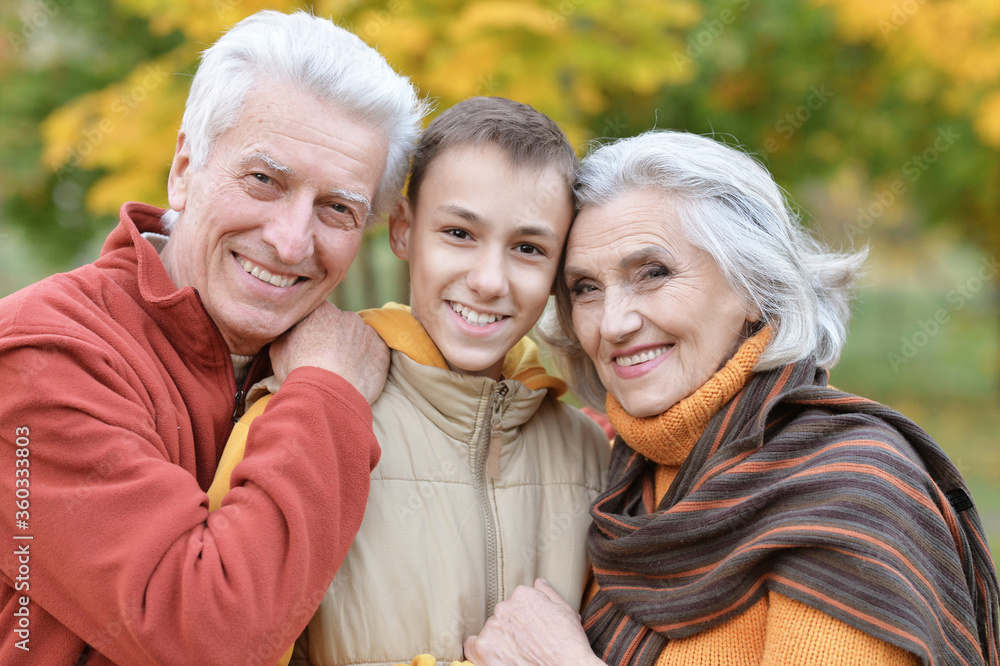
652,311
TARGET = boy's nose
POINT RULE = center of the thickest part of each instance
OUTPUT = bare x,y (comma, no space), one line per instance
488,276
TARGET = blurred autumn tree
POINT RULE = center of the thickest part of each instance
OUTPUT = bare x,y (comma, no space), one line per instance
900,97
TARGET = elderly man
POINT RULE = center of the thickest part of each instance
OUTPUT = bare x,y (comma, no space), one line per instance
122,378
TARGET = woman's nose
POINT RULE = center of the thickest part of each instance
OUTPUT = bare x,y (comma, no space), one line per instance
620,318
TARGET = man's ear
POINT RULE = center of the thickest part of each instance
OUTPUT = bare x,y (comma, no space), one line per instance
177,181
400,223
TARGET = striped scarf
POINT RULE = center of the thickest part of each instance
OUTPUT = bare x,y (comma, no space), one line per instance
833,500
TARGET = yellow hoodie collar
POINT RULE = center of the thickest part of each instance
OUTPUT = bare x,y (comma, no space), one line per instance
402,332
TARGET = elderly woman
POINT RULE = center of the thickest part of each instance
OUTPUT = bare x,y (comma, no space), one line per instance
754,514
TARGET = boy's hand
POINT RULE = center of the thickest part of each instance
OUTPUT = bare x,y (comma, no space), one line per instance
336,341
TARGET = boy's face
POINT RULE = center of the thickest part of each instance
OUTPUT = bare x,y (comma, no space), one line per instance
483,244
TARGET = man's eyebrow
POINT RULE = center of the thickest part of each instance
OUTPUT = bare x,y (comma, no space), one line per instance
356,197
261,156
475,218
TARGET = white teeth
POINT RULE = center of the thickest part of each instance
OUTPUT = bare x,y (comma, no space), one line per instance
641,357
265,275
473,317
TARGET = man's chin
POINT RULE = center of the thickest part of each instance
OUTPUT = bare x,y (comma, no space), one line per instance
247,341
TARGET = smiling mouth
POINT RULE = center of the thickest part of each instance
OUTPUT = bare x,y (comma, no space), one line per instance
641,357
266,276
473,317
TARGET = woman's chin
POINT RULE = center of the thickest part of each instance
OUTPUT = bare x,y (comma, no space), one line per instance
645,406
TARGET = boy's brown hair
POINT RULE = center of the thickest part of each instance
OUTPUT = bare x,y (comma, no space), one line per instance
528,137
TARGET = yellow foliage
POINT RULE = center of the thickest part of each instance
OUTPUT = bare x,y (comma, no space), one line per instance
546,53
493,16
201,20
987,120
954,39
862,20
128,128
405,36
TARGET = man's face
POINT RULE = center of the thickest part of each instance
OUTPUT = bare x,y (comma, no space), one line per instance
483,243
271,223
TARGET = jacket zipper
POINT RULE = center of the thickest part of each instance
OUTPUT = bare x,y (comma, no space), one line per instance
237,412
482,456
239,406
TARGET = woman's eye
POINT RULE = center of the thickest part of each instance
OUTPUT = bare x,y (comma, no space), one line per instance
653,272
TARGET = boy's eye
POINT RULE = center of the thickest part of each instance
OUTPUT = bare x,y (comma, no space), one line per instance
460,234
528,248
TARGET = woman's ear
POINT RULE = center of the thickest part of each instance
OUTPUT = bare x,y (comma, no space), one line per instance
754,321
400,223
177,181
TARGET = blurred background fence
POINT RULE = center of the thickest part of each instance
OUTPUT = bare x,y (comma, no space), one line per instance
880,117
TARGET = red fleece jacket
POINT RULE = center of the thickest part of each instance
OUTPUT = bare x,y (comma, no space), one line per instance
118,392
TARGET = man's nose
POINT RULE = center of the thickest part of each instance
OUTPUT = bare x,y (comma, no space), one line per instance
290,232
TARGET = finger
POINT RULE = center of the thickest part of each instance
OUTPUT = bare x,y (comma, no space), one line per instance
543,586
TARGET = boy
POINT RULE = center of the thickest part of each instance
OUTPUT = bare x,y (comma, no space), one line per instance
486,479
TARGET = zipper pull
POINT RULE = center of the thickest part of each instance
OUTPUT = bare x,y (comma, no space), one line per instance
496,436
236,409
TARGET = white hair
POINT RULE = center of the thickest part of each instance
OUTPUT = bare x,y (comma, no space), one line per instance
319,57
729,206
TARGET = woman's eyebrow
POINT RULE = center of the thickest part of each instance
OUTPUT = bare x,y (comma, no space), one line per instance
643,255
636,258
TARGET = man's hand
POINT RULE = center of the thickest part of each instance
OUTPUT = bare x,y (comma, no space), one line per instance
336,341
533,626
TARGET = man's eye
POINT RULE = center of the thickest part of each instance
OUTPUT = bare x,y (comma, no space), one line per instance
262,177
340,208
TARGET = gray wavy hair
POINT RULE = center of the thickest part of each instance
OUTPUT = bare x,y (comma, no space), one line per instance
319,57
730,207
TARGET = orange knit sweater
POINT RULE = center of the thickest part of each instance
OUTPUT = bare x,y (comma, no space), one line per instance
777,630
